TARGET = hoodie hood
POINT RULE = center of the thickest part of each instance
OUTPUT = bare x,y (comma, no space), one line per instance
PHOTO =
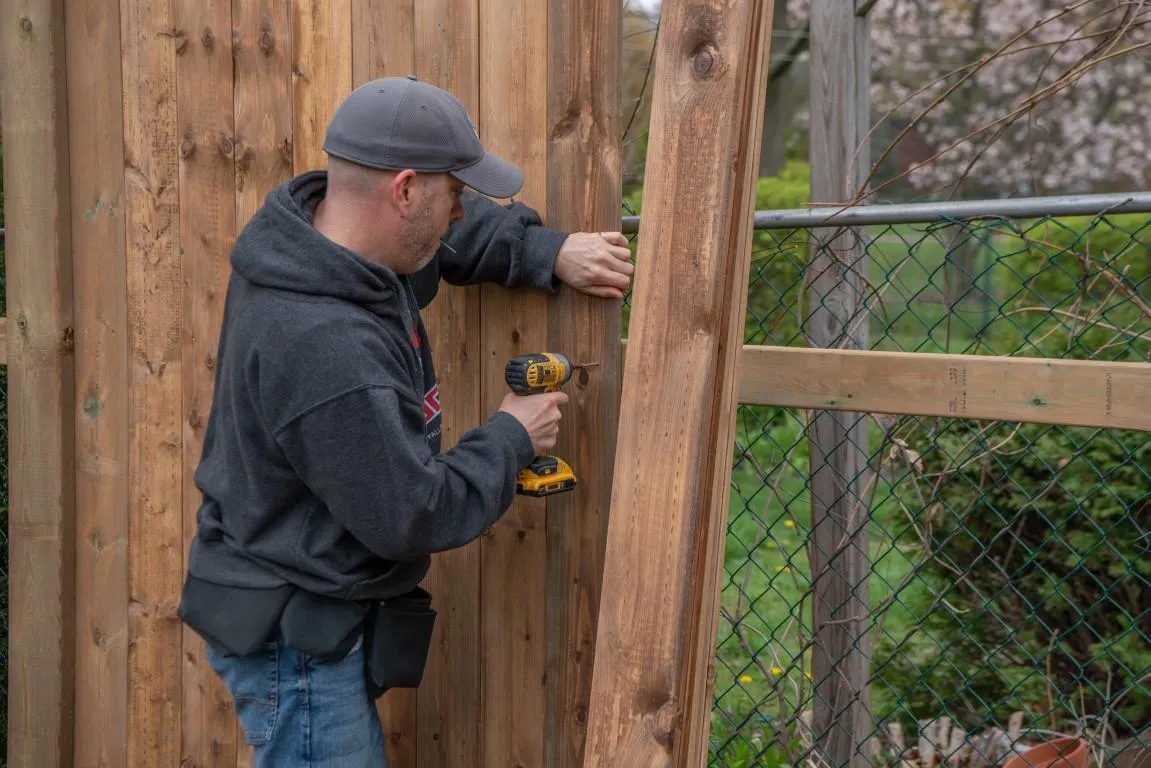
280,249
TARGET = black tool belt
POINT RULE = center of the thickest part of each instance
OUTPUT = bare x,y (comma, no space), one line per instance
397,631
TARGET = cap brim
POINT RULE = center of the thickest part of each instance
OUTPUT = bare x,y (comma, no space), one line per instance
492,176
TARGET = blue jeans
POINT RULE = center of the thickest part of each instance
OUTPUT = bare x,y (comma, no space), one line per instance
298,712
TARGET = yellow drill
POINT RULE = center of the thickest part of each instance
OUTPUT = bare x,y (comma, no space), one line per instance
532,374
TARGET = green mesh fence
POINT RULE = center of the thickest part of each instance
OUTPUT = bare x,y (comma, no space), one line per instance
1009,564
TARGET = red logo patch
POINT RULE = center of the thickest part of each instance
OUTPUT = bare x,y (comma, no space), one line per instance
432,404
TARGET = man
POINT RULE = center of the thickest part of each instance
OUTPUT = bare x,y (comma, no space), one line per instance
324,487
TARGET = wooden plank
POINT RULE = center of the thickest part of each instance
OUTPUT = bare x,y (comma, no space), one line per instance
383,39
446,53
263,121
95,111
204,77
513,581
322,74
837,276
679,386
513,123
155,460
41,424
708,566
583,196
263,110
1086,393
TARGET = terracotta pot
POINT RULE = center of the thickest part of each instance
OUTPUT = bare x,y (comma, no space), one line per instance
1057,753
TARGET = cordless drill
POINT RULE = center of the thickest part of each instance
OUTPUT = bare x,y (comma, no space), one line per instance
532,374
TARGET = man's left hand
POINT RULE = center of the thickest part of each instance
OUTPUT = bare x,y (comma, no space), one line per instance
598,264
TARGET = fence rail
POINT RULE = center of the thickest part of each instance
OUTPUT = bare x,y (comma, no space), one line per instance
1010,563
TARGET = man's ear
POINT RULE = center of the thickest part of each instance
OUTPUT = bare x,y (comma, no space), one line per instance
403,191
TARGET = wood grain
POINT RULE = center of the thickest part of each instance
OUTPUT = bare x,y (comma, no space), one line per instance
679,386
383,39
584,127
449,715
95,113
204,84
155,461
41,420
513,586
836,274
262,73
322,74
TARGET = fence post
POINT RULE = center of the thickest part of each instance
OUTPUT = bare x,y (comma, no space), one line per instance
33,102
837,274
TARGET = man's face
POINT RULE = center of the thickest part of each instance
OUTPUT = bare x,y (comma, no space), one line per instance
437,205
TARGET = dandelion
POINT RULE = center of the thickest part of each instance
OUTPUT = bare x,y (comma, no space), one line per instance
776,671
788,523
745,678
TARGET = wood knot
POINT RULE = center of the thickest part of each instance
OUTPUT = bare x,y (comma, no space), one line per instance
581,716
68,341
266,40
194,420
210,362
584,378
22,322
187,147
515,336
26,25
225,145
704,59
207,39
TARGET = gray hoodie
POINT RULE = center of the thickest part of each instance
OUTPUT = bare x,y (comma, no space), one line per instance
321,468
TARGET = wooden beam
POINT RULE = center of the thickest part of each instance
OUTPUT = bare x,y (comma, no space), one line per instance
583,196
1016,389
838,441
96,117
672,469
513,576
205,108
41,427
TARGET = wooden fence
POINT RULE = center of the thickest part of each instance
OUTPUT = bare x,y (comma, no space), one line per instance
139,138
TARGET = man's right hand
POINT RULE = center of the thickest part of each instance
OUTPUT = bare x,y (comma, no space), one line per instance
540,415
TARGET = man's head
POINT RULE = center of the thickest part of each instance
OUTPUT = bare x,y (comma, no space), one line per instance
400,153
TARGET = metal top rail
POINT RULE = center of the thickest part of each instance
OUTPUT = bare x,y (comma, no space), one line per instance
921,213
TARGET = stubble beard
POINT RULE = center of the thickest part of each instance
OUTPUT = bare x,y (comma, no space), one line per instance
419,240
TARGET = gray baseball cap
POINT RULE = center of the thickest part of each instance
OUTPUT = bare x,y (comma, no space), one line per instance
397,123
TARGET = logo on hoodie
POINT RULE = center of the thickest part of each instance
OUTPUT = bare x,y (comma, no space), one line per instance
432,404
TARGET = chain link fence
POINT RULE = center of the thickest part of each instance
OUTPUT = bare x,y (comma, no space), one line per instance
1010,564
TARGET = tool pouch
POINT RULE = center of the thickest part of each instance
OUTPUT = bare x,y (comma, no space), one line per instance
397,637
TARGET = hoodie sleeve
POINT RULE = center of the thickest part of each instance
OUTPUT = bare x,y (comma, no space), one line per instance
504,244
363,454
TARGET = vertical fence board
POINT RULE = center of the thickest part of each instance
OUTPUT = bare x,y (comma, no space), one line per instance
669,507
262,106
583,195
513,123
383,39
262,58
155,465
450,733
40,383
322,74
837,274
95,116
204,77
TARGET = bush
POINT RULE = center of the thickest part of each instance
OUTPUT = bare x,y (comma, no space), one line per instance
1040,574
